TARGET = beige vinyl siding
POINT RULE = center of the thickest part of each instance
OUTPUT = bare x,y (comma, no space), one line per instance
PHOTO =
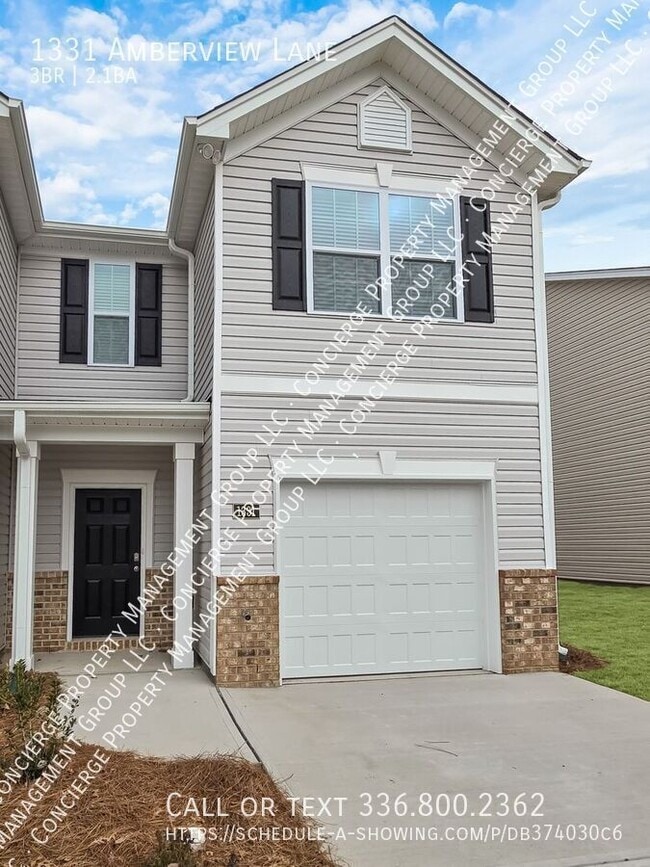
436,431
204,303
600,399
257,339
202,500
8,294
203,355
41,377
54,458
6,486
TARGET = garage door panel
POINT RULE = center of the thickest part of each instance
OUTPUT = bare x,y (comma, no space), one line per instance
397,589
323,653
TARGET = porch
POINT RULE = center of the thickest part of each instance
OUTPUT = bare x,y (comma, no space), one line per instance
102,495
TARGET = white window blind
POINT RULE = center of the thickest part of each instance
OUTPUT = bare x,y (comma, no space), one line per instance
345,226
112,288
355,238
340,281
345,219
111,340
433,219
112,302
421,284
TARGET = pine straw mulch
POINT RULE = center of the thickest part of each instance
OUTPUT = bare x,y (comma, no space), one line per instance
120,820
580,660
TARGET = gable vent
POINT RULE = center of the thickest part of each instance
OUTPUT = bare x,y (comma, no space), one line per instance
384,122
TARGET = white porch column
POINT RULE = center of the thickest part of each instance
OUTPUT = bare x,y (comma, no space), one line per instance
24,553
183,518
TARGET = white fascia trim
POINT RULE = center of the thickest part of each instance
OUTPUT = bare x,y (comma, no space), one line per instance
598,274
543,386
25,156
447,120
168,411
400,390
142,435
143,480
217,122
388,465
328,174
181,171
72,231
288,119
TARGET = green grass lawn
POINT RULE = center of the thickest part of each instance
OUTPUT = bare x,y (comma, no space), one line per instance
614,624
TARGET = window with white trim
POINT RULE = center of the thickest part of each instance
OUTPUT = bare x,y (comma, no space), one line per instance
390,250
112,291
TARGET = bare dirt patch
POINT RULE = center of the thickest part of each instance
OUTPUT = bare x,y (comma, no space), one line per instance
580,660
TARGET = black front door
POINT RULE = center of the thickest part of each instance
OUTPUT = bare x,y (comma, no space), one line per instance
106,560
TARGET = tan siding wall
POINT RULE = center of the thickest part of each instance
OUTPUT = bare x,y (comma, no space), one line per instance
204,303
600,399
203,326
8,292
508,434
257,339
50,494
6,483
41,377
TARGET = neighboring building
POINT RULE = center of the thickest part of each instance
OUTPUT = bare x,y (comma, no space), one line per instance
600,407
149,377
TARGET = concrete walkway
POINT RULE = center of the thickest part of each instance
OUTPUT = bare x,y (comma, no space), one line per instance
585,748
186,716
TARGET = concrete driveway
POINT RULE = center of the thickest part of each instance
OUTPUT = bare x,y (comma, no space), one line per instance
585,748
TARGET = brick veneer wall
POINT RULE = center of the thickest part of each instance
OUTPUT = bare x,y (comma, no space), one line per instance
158,629
529,625
50,610
51,613
248,634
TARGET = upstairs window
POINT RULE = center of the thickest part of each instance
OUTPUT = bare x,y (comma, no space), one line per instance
345,238
111,313
112,297
354,238
432,267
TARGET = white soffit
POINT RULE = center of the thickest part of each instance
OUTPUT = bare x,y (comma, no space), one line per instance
417,61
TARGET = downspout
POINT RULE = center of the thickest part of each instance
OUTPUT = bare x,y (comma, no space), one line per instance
20,433
189,256
543,385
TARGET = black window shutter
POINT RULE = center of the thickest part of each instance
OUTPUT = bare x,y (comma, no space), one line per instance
148,315
73,329
477,260
288,227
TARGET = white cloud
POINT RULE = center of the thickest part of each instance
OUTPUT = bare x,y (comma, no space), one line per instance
155,205
158,205
51,130
467,12
160,157
201,23
86,23
67,193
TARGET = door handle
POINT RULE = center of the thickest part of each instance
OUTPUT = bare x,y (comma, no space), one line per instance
136,568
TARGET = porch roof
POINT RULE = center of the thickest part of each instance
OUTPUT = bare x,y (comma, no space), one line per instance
127,421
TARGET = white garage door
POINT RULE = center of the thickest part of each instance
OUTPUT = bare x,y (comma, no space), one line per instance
382,577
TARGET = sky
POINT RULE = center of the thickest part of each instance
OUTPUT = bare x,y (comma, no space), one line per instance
105,130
